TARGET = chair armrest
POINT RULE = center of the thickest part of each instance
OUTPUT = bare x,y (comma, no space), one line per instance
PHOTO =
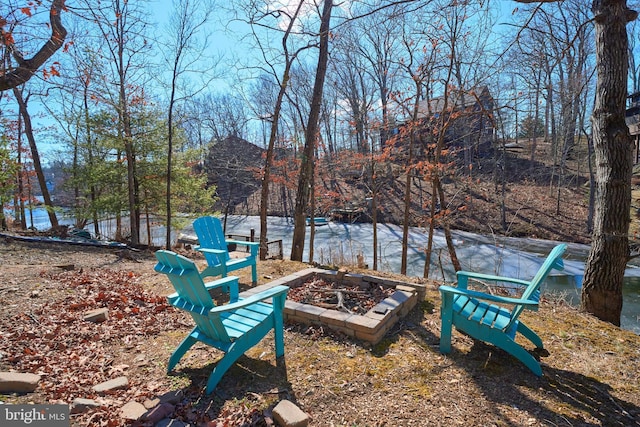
231,282
210,250
274,293
530,304
253,246
243,242
224,281
464,276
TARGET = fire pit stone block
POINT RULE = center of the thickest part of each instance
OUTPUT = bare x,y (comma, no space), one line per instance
306,313
335,318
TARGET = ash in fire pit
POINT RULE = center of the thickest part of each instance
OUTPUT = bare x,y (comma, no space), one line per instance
331,295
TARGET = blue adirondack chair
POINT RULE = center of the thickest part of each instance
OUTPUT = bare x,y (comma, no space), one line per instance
213,246
491,321
232,328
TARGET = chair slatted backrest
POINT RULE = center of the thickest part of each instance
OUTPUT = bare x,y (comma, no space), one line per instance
190,292
532,292
211,236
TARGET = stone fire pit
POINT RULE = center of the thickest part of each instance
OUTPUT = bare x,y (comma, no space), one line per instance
370,326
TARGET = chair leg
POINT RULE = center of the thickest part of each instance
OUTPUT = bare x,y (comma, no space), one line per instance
180,351
530,335
278,331
446,314
223,366
517,351
254,274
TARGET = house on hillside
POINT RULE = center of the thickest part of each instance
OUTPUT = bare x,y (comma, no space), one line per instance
468,122
233,165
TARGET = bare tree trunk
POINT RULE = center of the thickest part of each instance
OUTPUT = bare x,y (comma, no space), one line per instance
374,211
604,270
312,228
447,231
119,36
167,242
35,155
407,204
429,250
559,188
74,173
148,221
19,204
534,141
437,186
131,187
503,186
266,174
92,188
273,135
283,195
311,135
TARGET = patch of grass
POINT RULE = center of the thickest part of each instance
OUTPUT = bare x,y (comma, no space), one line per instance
178,381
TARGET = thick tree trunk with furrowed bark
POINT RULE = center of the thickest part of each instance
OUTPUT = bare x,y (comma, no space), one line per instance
604,270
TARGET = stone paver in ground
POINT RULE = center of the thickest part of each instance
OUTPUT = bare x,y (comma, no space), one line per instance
287,414
132,410
114,384
18,382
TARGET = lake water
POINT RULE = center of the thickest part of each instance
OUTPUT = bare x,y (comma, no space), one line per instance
39,219
513,257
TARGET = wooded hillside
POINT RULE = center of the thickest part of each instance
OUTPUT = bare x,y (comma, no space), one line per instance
534,204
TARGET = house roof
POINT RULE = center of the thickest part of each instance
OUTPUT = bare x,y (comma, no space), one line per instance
459,99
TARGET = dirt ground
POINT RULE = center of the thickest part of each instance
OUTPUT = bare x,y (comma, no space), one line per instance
591,369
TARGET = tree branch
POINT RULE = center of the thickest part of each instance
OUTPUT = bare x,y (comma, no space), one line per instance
28,67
